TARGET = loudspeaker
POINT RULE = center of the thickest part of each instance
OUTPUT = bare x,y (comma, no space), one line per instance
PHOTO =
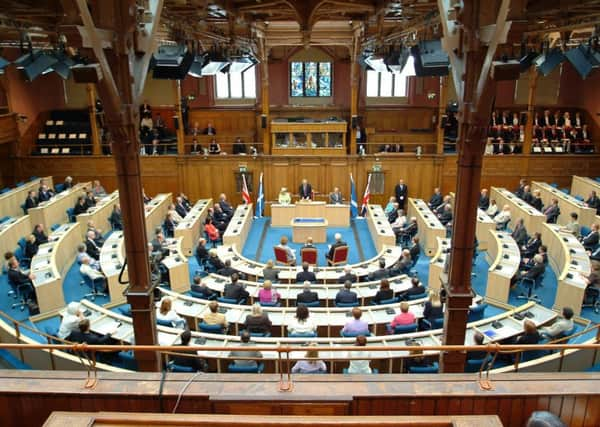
87,73
263,121
354,121
176,122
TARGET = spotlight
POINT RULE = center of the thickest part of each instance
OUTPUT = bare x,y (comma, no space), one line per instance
239,64
527,60
377,63
396,61
215,62
171,62
38,63
547,62
430,59
63,66
197,65
582,60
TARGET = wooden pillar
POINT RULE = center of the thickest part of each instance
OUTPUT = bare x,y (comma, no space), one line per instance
443,101
178,113
354,77
264,96
533,78
91,101
120,90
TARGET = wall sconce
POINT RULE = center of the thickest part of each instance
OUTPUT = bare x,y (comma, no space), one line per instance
431,95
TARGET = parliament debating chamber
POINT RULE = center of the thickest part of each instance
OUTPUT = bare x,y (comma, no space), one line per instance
300,212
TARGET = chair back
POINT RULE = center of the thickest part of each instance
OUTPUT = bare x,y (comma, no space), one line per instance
303,335
309,255
354,334
347,304
417,296
316,303
340,255
405,329
210,329
473,365
227,300
71,214
476,313
166,323
270,304
281,256
433,369
173,367
244,369
388,301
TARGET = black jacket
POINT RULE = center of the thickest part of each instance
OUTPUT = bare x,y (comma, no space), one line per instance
401,193
307,297
332,249
346,296
590,240
305,275
92,250
348,276
484,202
234,291
30,202
383,295
258,324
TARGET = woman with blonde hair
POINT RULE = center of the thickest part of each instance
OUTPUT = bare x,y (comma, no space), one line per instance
432,310
312,364
267,294
165,313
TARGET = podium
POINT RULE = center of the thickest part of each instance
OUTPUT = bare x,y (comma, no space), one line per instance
302,228
336,215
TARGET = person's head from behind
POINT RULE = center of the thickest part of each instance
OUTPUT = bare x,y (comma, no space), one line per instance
245,337
347,285
234,278
356,313
478,338
544,419
256,309
269,263
267,285
309,240
306,286
529,327
338,237
404,307
185,337
381,263
283,240
305,266
213,306
538,259
84,325
384,285
567,313
165,305
301,312
312,353
361,341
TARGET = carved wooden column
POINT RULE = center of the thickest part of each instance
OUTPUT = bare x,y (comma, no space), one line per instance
178,113
91,101
533,78
354,86
264,96
443,101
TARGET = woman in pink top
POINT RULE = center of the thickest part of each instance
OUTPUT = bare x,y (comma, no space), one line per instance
405,317
267,293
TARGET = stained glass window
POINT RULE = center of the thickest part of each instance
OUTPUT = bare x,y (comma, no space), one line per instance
310,79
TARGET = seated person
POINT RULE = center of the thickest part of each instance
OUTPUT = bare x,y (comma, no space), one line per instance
312,364
214,262
91,247
201,288
301,323
519,233
484,200
503,217
416,288
30,247
534,272
348,275
552,212
527,263
211,231
213,317
116,219
20,278
220,218
537,202
306,296
209,129
165,313
81,254
84,335
86,269
234,290
572,226
531,247
400,221
305,274
227,270
225,205
560,326
214,147
415,249
44,194
384,292
591,240
284,197
390,206
180,208
338,242
257,322
392,216
405,317
361,366
309,243
530,334
410,229
492,209
267,294
436,199
238,146
98,237
247,356
97,189
446,216
356,326
417,360
335,197
31,201
201,251
90,199
289,252
593,202
478,339
402,266
70,321
433,309
345,295
270,273
380,273
40,234
191,361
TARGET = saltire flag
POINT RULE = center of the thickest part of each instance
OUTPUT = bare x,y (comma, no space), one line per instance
353,202
245,193
366,197
260,199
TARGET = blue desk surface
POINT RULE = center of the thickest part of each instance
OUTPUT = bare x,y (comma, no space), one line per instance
309,220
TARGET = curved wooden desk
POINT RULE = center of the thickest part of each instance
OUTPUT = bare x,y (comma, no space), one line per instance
99,214
532,218
430,227
112,259
54,211
484,225
192,226
504,258
156,211
11,201
379,227
51,262
568,259
583,186
11,232
324,274
566,203
437,263
239,226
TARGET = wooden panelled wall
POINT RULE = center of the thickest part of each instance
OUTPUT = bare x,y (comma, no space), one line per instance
200,176
28,397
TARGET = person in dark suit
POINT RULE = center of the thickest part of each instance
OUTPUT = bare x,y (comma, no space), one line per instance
116,218
552,212
225,205
478,339
593,202
91,247
345,295
348,276
305,275
335,197
519,191
201,288
209,130
415,249
416,288
534,272
169,225
45,194
40,234
484,200
532,246
20,279
436,199
201,251
180,208
590,241
30,247
402,265
527,197
305,190
257,322
410,228
214,261
31,201
227,270
189,362
80,207
234,290
401,192
520,233
384,292
530,334
446,216
393,214
380,273
536,202
84,335
338,242
306,296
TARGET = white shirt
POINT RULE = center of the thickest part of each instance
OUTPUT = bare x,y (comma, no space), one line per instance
492,210
297,327
87,270
400,221
359,366
502,217
69,323
170,316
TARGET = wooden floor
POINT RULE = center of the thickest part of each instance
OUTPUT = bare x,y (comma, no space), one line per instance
29,397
